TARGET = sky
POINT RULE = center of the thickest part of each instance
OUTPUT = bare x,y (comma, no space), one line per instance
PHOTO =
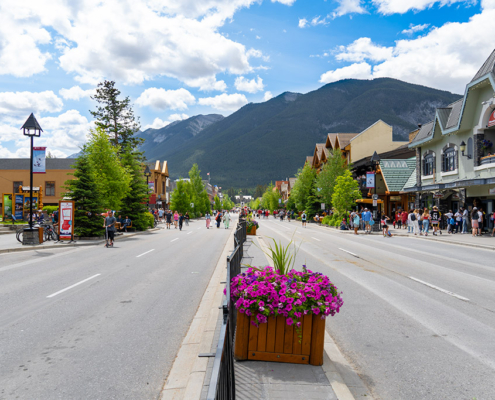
179,58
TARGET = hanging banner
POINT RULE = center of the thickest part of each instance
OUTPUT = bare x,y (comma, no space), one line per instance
27,200
370,180
151,187
39,160
19,207
491,120
7,206
66,220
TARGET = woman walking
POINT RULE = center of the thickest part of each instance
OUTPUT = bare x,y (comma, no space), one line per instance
426,221
218,218
176,219
208,220
181,221
475,215
226,220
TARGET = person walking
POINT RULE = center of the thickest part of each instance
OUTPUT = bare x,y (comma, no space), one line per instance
208,220
475,215
303,218
426,221
415,221
218,218
458,220
366,216
181,221
186,218
435,220
109,225
481,220
465,219
355,222
409,222
226,220
176,219
404,217
168,218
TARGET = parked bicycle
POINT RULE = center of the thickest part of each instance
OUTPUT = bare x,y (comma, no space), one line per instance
49,232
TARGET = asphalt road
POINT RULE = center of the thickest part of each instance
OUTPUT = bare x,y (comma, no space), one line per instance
98,323
418,320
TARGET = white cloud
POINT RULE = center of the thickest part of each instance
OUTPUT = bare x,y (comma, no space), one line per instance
286,2
415,28
159,123
250,86
24,103
207,84
446,57
161,99
388,7
22,152
225,102
354,71
348,7
268,95
75,93
303,23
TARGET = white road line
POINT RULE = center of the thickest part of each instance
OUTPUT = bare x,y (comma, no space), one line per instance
189,233
149,251
174,240
315,239
72,286
199,228
439,288
355,255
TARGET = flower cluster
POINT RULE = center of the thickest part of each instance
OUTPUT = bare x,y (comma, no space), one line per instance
266,292
250,223
486,144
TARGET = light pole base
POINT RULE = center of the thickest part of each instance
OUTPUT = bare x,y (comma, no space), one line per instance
30,237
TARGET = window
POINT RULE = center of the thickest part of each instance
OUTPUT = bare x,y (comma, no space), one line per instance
449,160
428,164
17,185
163,187
49,188
470,148
156,186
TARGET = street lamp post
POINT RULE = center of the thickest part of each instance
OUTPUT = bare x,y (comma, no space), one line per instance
375,162
147,174
32,129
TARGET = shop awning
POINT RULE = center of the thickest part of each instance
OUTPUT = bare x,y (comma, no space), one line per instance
368,201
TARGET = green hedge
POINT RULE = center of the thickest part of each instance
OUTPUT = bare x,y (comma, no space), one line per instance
50,209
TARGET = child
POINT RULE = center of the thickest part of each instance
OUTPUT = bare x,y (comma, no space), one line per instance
385,226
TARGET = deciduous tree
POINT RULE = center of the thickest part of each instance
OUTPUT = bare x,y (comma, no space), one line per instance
345,194
326,179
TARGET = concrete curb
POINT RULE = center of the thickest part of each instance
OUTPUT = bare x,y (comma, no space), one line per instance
186,377
60,246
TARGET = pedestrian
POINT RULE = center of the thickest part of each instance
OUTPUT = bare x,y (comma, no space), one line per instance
181,221
317,218
450,226
426,221
160,214
303,218
465,219
355,222
420,221
186,218
226,220
410,226
404,217
109,225
475,215
481,220
435,220
208,220
385,231
458,220
218,219
168,218
415,221
176,218
493,222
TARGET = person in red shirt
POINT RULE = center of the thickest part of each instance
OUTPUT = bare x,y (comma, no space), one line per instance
403,218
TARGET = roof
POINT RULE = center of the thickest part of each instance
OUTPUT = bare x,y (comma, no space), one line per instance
397,172
400,153
455,114
23,163
345,138
326,152
411,182
331,137
309,159
443,115
320,147
425,132
292,181
487,67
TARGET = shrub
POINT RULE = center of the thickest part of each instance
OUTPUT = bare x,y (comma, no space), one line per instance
50,209
143,221
326,220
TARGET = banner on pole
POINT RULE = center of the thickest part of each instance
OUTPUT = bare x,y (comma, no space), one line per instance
151,187
66,220
27,200
7,206
39,160
370,180
19,206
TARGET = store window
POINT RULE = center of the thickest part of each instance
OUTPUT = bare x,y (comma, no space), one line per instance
449,159
17,185
49,188
428,164
163,187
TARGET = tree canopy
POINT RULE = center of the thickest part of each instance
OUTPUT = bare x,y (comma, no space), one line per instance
345,194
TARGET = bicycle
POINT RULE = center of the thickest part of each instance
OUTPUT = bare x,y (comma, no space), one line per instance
49,233
18,233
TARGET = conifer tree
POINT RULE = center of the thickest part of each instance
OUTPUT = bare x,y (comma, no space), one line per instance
87,197
116,117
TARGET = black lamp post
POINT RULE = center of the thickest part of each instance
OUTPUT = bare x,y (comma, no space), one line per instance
375,162
32,129
147,174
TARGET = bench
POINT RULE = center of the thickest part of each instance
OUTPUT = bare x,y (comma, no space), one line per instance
119,226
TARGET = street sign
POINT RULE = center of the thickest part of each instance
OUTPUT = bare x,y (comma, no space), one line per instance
192,205
375,203
375,197
322,206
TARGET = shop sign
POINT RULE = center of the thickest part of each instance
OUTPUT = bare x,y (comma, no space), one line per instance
455,196
437,195
7,206
462,195
491,120
322,206
375,203
66,220
19,206
395,198
491,191
370,180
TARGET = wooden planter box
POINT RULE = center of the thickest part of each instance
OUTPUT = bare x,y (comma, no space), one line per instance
251,231
276,341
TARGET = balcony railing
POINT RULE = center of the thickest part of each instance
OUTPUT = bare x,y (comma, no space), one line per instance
487,160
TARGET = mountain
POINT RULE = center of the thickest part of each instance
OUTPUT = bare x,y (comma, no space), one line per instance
267,141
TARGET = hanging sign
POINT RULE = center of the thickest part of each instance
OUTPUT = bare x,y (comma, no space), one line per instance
66,220
491,120
322,206
7,206
19,206
39,160
151,187
27,200
370,180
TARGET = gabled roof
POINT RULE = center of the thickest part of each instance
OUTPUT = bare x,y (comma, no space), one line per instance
309,159
397,172
455,114
443,115
411,182
487,67
331,138
426,132
345,138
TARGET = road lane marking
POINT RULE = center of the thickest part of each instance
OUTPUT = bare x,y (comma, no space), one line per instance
149,251
189,233
72,286
315,239
174,240
347,251
440,289
199,228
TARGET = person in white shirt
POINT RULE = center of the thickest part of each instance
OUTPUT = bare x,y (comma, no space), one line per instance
458,221
465,217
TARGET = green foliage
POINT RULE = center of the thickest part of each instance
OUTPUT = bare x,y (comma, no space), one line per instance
260,189
313,206
303,187
255,204
116,116
84,190
205,199
283,257
345,194
333,220
326,179
269,200
50,209
196,189
218,205
180,200
291,204
227,204
112,178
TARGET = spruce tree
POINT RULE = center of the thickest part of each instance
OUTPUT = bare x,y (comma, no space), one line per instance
115,116
87,197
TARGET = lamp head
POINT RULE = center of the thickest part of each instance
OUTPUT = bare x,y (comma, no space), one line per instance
462,146
31,127
147,172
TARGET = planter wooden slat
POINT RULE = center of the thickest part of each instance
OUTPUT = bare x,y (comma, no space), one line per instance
279,342
251,231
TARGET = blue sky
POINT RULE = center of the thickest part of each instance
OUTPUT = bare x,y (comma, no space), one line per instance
176,59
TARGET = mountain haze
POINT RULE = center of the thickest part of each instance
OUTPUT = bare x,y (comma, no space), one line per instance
267,141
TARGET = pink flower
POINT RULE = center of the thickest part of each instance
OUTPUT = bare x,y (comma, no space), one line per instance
289,321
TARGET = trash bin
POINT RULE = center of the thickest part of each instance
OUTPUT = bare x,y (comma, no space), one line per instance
40,234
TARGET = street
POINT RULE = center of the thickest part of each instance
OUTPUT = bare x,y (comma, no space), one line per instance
98,323
418,316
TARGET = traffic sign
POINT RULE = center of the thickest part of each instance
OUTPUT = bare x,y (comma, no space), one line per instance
375,203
